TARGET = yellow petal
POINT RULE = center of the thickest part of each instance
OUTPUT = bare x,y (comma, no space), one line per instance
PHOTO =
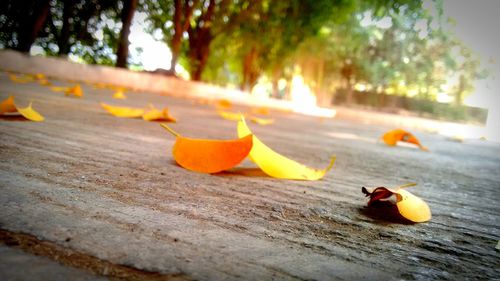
58,89
232,116
20,79
412,207
122,111
29,113
7,105
75,91
44,82
99,85
277,165
261,121
119,95
155,114
40,76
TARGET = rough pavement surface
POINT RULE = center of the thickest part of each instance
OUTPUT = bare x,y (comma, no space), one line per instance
109,188
40,268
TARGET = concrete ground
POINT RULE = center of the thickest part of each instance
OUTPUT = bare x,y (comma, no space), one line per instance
101,192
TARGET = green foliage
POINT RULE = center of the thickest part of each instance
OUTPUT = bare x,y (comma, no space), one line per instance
396,47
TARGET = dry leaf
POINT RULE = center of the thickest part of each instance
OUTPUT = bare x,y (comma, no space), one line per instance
232,116
277,165
409,206
209,156
261,121
119,95
392,137
155,114
75,91
122,111
8,106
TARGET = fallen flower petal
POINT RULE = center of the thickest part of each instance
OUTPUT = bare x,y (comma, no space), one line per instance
40,76
7,105
209,156
408,205
119,95
59,89
20,79
155,114
232,116
44,82
261,121
277,165
224,104
30,114
75,91
392,137
261,110
122,111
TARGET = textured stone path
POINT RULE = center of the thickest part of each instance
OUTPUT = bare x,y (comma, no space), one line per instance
108,188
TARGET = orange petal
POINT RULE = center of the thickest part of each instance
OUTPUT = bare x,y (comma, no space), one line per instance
261,110
75,91
392,137
224,104
7,105
209,156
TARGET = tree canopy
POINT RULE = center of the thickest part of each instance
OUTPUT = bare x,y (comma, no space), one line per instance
389,46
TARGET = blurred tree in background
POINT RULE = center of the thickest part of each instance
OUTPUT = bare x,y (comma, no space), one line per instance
384,47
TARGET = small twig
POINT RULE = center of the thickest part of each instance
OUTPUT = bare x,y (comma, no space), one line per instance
407,185
170,130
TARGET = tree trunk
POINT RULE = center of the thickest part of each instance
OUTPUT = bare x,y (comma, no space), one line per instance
199,51
459,95
182,18
29,31
126,17
349,97
63,40
200,38
250,70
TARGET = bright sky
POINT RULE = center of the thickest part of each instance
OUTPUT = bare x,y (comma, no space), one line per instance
155,53
477,25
